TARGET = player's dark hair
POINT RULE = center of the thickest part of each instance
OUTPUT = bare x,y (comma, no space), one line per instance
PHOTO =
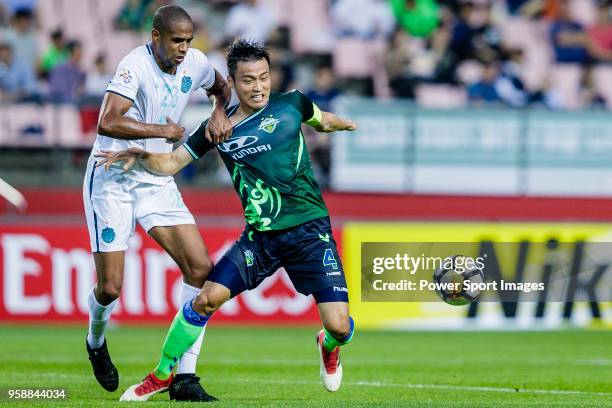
242,50
166,17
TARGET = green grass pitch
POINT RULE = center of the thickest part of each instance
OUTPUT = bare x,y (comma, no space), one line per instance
257,367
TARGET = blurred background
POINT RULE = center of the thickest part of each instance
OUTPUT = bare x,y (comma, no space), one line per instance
482,119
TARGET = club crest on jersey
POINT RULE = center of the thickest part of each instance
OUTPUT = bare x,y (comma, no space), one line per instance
108,235
268,124
186,84
248,257
125,75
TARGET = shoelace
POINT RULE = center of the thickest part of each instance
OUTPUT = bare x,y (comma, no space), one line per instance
330,359
148,384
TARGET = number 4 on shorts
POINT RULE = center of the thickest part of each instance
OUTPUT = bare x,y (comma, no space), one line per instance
329,259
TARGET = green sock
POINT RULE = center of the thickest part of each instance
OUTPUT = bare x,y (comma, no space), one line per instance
330,342
184,331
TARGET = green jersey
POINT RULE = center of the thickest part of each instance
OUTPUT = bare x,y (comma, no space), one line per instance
269,162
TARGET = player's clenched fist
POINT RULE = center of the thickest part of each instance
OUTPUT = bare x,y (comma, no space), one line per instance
219,127
174,132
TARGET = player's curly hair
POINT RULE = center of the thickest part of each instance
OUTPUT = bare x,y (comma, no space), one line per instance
166,17
242,50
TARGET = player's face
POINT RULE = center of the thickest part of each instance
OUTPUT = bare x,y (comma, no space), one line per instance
252,83
172,45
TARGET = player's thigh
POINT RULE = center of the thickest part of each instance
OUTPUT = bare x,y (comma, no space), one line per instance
109,210
185,245
312,260
244,265
161,212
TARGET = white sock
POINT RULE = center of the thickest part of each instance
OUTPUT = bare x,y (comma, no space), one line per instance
98,319
187,362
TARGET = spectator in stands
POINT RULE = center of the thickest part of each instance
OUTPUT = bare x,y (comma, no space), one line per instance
12,6
509,85
324,91
22,36
67,80
599,36
516,7
397,65
568,38
98,79
366,19
56,53
250,19
17,79
472,37
283,61
547,96
548,9
419,18
484,91
133,15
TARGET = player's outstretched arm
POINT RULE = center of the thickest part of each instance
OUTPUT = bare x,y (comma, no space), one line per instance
219,127
165,164
329,122
113,123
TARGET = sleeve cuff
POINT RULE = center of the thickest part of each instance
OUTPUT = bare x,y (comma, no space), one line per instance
120,93
317,116
190,151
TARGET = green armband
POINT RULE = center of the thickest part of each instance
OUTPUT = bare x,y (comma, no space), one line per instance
317,116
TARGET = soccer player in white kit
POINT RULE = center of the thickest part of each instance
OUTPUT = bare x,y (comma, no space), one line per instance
141,108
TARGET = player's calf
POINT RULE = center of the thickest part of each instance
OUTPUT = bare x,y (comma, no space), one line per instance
328,344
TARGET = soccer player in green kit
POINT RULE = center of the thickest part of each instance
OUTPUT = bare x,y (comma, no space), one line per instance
287,223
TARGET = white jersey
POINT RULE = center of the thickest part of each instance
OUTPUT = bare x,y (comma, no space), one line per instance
156,95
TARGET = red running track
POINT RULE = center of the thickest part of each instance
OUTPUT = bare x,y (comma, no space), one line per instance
62,201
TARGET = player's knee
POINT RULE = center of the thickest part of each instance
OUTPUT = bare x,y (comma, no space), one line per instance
340,327
204,303
108,291
197,271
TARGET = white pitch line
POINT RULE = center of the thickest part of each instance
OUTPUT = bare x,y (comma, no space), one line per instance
428,386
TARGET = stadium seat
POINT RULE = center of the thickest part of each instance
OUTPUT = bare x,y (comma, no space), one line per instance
602,77
353,58
109,9
469,72
310,27
532,38
583,12
70,133
282,11
49,15
27,125
118,44
565,78
440,96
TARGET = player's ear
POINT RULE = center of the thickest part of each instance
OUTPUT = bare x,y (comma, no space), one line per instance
155,35
230,81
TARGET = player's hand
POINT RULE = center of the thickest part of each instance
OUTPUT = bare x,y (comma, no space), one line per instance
219,127
349,125
129,156
174,132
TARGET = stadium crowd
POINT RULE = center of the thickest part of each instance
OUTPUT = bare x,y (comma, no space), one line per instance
509,52
553,54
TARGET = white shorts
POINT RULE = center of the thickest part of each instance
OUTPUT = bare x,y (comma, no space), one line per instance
114,202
